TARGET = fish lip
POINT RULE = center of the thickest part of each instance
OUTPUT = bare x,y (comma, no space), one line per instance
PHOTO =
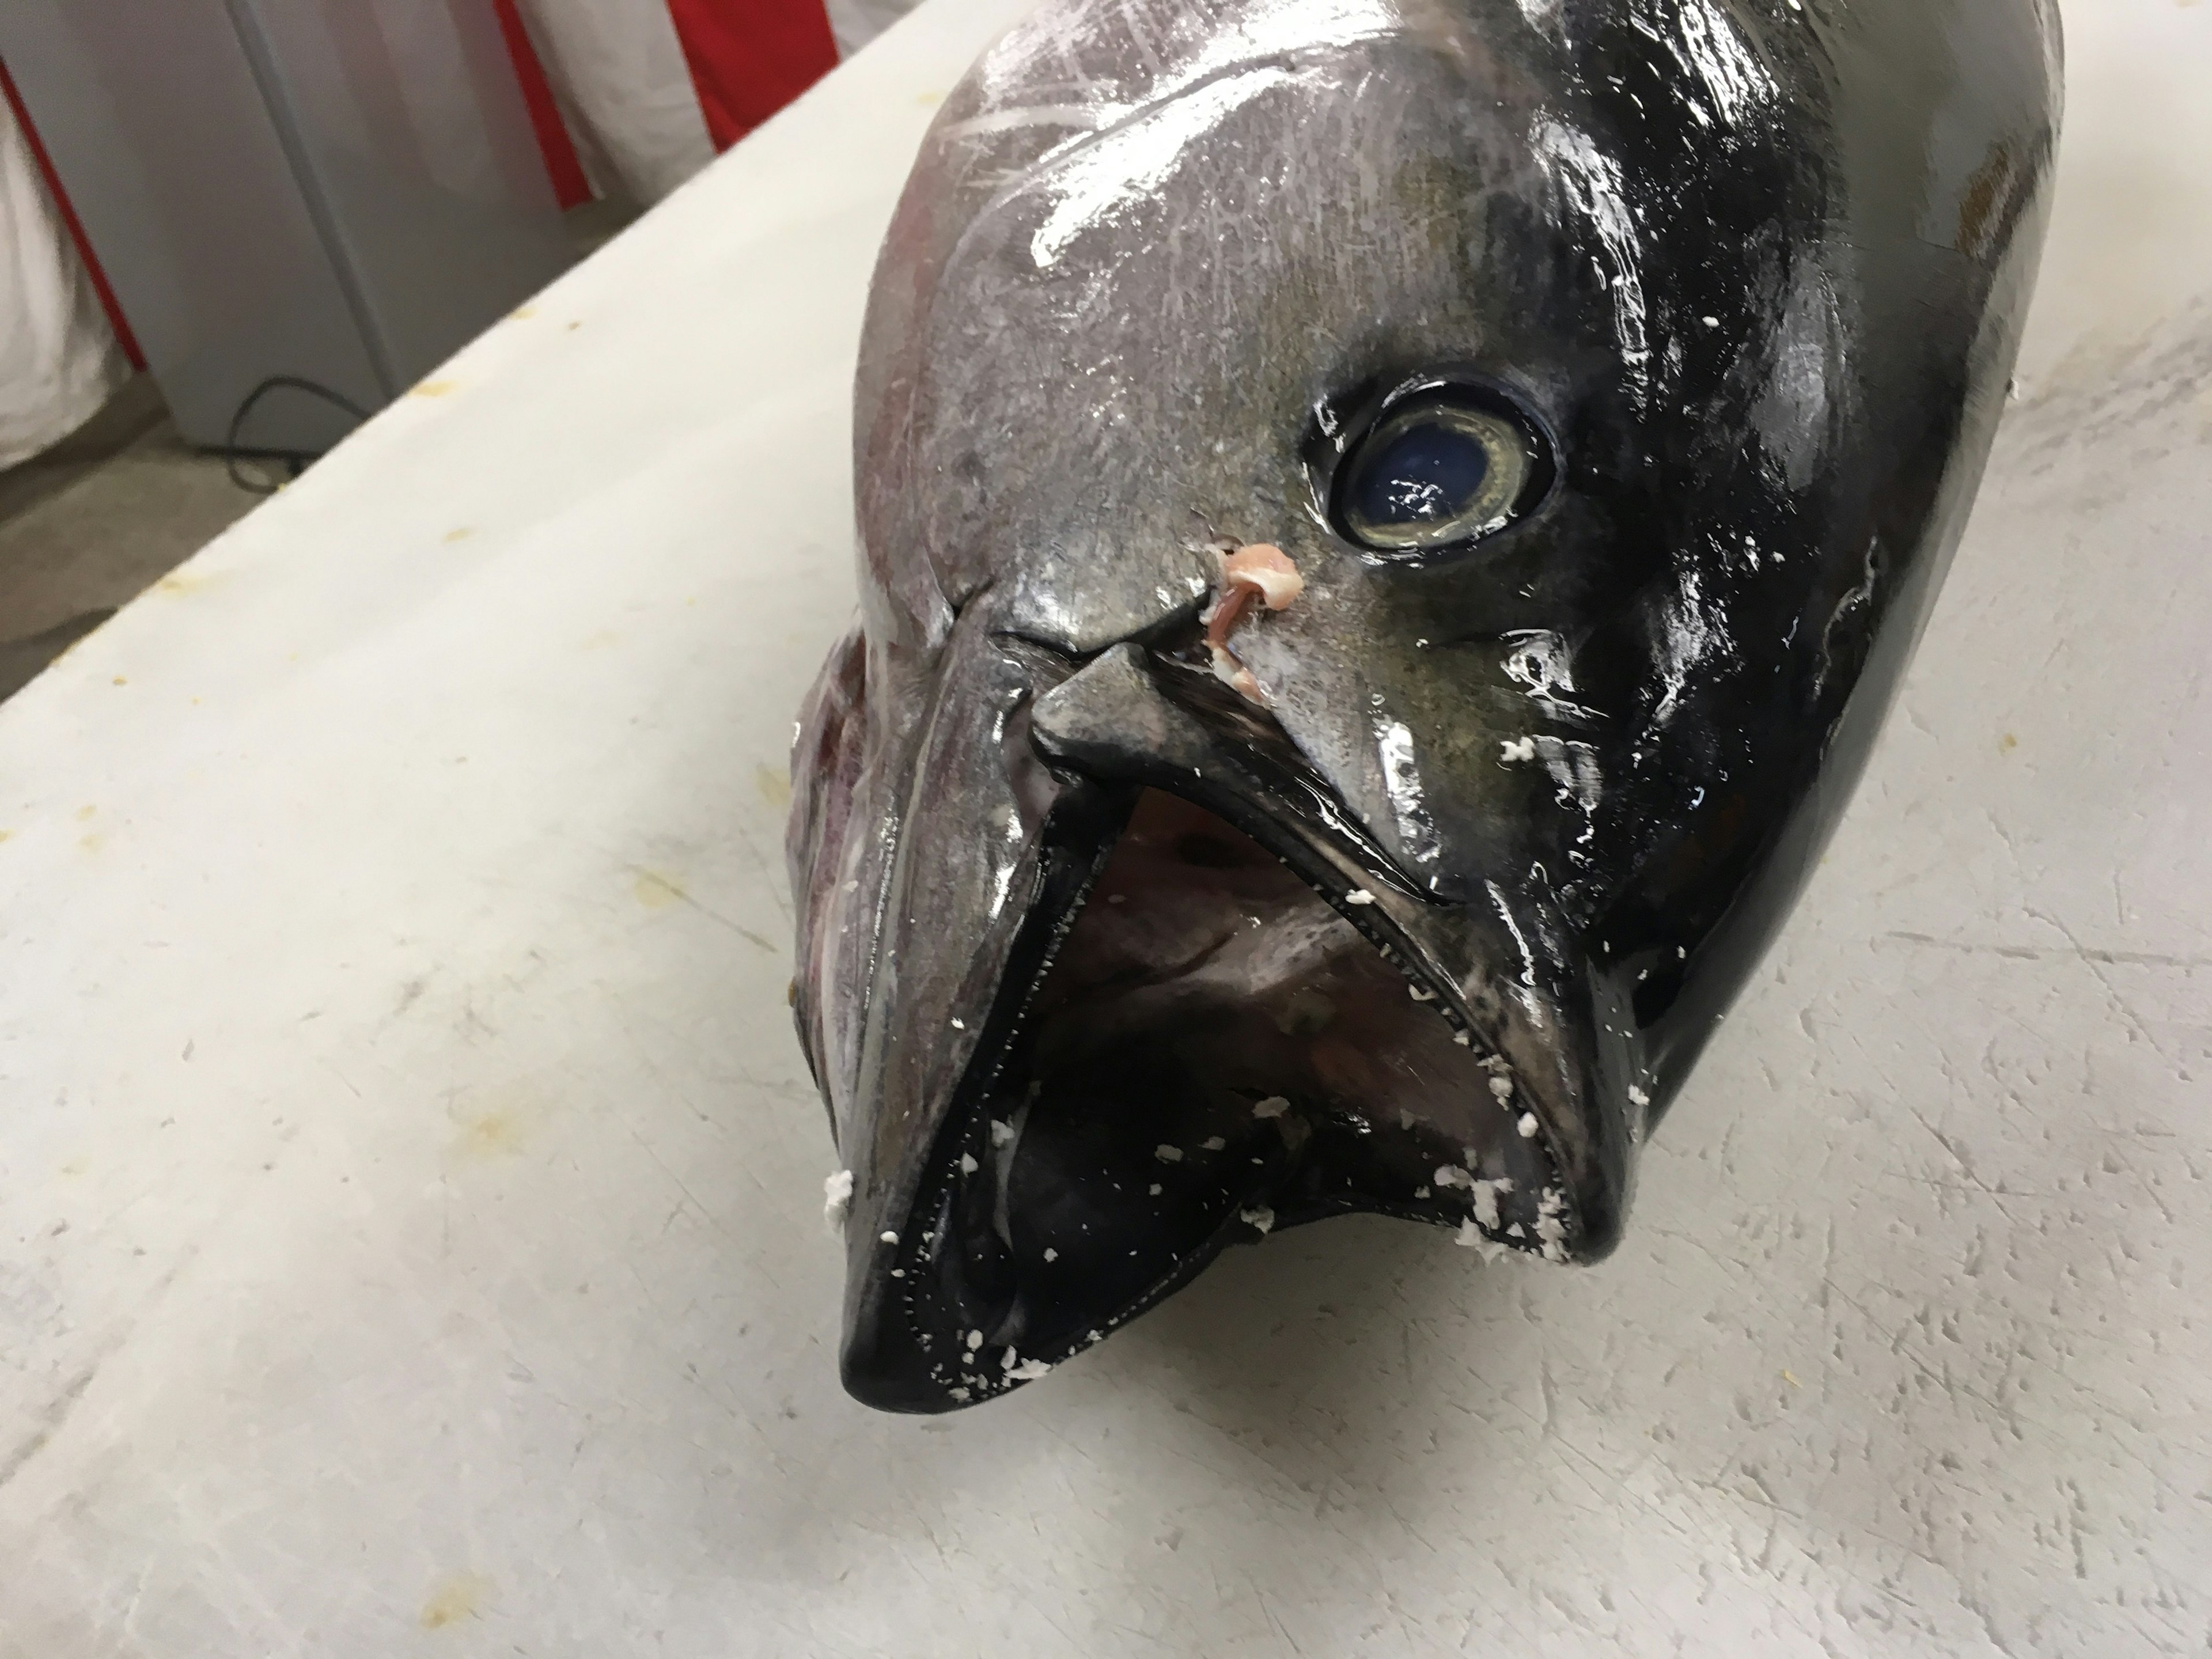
888,1361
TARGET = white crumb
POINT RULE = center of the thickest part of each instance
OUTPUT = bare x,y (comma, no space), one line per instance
1153,1191
898,1273
968,1164
1002,1134
1028,1371
1420,1192
1462,1039
837,1200
1451,1175
1168,1154
1486,1203
1470,1236
1405,1118
1211,1144
1051,1255
1359,896
1528,1126
1502,1087
1518,749
1259,1216
1274,1106
960,1394
890,1238
974,1340
1637,1097
1551,1205
1420,994
959,1024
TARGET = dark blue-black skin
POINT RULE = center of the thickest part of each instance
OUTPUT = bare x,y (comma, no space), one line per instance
1746,279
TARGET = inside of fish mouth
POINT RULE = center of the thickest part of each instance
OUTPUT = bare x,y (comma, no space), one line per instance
1214,1051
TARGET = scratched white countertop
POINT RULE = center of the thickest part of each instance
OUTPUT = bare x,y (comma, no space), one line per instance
410,1189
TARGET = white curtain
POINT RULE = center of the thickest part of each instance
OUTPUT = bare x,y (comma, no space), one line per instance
618,73
58,359
856,23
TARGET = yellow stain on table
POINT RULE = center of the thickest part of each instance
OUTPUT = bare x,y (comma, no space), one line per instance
774,784
84,814
522,314
460,535
656,891
497,1133
2008,743
460,1596
433,388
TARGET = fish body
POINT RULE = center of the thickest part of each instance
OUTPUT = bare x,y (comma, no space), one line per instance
1611,378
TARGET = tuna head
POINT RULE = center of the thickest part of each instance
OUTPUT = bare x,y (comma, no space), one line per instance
1614,374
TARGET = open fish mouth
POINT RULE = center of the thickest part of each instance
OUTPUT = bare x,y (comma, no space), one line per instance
1221,1025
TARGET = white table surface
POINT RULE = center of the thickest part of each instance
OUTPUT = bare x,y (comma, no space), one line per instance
409,1188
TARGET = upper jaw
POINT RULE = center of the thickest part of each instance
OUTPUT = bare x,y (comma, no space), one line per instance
923,1334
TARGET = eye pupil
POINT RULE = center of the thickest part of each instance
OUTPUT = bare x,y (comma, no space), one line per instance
1426,472
1446,467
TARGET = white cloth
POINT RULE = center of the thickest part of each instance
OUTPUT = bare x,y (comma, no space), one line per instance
58,359
618,75
856,23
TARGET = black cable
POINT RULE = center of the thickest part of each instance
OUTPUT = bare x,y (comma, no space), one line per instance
295,460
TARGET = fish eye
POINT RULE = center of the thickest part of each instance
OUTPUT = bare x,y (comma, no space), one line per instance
1443,467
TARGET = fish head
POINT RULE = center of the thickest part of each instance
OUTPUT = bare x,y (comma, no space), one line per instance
1616,376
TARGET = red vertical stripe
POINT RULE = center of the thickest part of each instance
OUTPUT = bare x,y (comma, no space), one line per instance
751,57
570,187
116,321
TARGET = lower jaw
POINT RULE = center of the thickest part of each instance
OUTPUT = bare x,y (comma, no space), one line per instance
1214,1052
